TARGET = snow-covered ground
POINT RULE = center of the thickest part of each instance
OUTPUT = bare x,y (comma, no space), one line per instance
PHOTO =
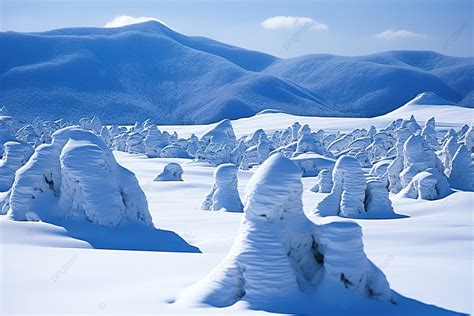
426,254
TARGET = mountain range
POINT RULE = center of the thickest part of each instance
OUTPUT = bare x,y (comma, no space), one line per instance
147,70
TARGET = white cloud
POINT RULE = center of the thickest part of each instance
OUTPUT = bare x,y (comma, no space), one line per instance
292,22
398,34
123,20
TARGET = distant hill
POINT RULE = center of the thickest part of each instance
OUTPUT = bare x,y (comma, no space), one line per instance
150,71
367,86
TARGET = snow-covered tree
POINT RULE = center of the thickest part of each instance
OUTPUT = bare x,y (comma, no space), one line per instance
278,253
429,184
377,201
76,177
224,193
461,173
16,154
323,182
171,172
135,144
348,192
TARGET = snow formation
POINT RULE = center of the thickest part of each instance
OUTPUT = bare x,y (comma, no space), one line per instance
352,195
279,254
224,193
15,155
171,172
76,177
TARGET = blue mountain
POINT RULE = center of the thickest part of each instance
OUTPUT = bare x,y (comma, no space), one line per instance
150,71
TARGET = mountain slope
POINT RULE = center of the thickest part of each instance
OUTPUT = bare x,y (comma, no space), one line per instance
150,71
376,84
137,72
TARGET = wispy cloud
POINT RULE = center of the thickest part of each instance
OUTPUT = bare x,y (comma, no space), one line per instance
292,22
398,34
123,20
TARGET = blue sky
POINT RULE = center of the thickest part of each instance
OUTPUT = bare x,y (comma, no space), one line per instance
282,28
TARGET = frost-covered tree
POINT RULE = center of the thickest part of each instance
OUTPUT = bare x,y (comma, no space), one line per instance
264,147
304,130
174,151
28,134
153,142
340,143
396,166
295,128
413,125
221,133
446,153
171,172
16,154
348,192
7,131
429,184
94,124
418,157
135,144
224,193
429,133
377,201
76,177
254,138
307,143
280,255
461,173
323,182
468,139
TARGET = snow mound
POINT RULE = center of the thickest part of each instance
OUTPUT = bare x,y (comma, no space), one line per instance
171,172
428,98
76,177
224,193
280,254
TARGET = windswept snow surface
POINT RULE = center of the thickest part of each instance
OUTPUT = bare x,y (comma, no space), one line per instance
150,71
426,255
